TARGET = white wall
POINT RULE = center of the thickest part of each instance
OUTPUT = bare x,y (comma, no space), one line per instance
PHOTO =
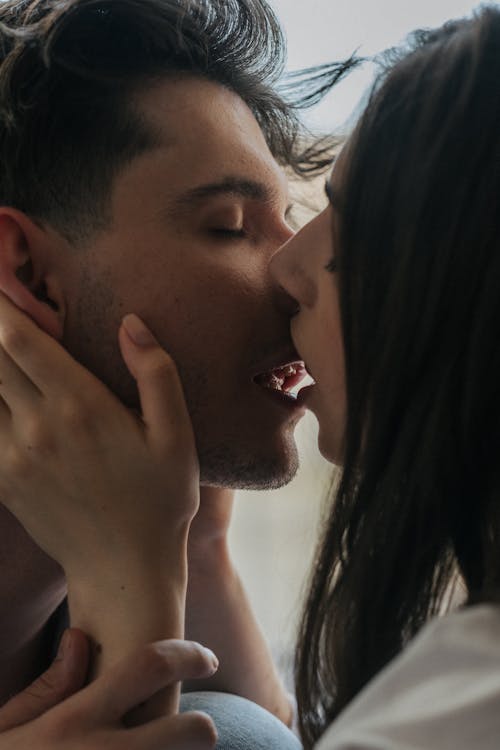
320,31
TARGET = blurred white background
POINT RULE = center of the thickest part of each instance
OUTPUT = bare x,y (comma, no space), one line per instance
320,31
274,533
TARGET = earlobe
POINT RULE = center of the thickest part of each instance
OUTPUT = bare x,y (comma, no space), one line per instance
21,278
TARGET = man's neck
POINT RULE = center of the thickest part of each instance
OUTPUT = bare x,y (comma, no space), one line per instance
32,586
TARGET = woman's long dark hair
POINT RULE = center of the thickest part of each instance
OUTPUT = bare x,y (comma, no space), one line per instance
419,277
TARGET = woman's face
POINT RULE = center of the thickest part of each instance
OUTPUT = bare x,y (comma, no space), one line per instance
301,268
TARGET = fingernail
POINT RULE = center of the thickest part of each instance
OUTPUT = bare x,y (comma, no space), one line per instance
63,646
138,332
212,658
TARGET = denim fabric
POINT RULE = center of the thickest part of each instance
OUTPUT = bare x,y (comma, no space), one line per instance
241,724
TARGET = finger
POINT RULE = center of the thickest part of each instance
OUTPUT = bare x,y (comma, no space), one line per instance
193,730
64,677
163,405
143,674
40,357
16,388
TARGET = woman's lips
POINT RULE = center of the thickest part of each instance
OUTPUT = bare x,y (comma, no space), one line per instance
304,394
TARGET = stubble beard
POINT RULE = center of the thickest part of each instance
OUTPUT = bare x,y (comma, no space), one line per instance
227,467
226,460
229,460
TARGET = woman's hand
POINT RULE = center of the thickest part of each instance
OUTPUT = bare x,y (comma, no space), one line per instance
108,494
91,481
95,718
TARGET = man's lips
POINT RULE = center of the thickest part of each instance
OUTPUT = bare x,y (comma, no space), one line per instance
282,376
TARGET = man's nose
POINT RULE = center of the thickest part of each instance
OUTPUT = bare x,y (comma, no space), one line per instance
280,259
286,233
283,300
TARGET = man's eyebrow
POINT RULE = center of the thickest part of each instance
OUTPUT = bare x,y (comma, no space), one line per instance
233,186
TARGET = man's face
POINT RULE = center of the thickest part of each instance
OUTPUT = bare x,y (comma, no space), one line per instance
195,223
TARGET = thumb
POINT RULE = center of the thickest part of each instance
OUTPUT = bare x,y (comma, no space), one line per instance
64,677
164,409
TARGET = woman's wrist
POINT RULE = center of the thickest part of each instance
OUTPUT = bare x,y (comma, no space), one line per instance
129,602
128,555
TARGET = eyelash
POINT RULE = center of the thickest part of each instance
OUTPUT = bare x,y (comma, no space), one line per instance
332,266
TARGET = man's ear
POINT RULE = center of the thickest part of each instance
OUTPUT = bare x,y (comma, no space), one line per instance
24,274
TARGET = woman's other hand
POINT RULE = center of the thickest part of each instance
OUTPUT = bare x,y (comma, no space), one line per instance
91,481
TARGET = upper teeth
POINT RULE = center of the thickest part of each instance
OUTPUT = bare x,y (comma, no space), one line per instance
276,378
275,382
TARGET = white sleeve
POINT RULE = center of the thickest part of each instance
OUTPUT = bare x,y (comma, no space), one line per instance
441,693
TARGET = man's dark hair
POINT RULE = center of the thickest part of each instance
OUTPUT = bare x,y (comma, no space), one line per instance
69,71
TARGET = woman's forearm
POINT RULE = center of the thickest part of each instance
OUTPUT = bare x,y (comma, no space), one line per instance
129,602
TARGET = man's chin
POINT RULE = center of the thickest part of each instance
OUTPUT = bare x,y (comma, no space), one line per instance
241,473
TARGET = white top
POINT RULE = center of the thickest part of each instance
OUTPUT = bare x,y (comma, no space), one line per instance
441,693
